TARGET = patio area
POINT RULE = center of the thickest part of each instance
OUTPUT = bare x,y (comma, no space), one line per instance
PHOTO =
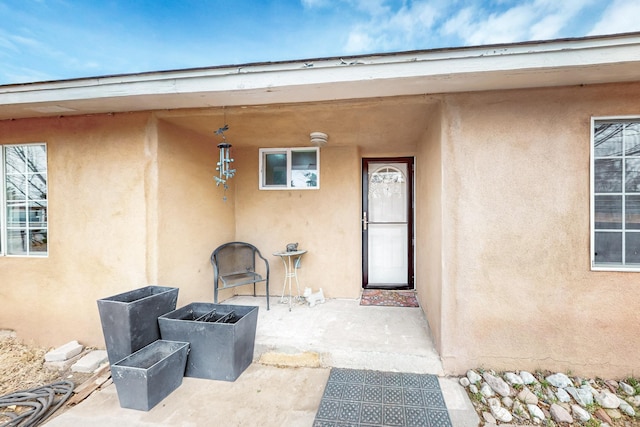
294,353
344,334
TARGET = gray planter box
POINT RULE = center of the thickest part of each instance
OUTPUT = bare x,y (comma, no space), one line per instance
149,375
130,320
219,351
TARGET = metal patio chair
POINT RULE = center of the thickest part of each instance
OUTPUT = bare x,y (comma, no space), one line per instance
234,264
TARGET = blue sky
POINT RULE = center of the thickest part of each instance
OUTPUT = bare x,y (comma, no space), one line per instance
44,40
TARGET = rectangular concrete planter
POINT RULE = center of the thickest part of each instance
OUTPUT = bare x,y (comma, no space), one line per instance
130,319
150,374
219,351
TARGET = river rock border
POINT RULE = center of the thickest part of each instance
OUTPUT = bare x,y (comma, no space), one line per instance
551,399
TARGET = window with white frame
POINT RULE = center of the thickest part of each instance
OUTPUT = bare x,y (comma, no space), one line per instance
289,168
615,194
23,221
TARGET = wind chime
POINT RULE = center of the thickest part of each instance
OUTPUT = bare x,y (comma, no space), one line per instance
223,166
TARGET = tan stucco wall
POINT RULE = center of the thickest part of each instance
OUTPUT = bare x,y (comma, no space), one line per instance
428,213
132,202
325,222
518,292
98,168
193,219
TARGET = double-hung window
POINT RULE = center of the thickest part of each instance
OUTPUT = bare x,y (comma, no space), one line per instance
289,168
615,194
23,217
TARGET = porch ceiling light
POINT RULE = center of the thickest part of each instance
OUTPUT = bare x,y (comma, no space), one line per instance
319,139
223,165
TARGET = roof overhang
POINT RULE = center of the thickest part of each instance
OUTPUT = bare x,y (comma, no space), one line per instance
592,60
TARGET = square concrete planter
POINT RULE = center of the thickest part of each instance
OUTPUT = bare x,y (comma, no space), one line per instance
150,374
219,350
130,320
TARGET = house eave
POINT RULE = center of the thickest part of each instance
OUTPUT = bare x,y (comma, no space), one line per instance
590,60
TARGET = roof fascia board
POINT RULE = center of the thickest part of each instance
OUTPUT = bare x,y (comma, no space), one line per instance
400,57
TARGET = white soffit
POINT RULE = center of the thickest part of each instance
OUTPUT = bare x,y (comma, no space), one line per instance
594,60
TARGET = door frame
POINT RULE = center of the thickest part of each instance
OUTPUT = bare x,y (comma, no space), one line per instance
410,161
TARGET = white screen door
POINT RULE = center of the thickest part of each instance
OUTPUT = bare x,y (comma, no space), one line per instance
387,223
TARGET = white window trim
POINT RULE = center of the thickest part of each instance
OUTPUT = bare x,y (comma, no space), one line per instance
288,152
3,206
601,267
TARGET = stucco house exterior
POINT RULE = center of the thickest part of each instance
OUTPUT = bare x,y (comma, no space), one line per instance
520,161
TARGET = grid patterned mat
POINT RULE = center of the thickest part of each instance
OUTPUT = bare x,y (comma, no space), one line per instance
354,397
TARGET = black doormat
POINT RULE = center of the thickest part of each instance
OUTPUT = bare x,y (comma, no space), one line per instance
354,397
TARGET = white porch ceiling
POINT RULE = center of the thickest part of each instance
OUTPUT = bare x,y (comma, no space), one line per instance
377,125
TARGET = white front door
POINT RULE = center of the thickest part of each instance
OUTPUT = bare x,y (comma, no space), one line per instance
387,223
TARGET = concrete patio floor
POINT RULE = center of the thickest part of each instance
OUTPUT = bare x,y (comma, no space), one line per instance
294,351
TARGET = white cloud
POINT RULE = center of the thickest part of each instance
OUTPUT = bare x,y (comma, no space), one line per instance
23,75
6,44
17,43
314,3
415,19
620,17
548,27
359,41
26,41
403,29
555,17
532,20
475,28
421,24
372,7
460,24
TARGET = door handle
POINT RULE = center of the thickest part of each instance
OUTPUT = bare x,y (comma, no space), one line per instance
364,221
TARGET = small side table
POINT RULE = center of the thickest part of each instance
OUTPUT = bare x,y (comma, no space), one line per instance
291,260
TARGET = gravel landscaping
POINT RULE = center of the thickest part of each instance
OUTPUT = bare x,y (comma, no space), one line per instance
549,399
